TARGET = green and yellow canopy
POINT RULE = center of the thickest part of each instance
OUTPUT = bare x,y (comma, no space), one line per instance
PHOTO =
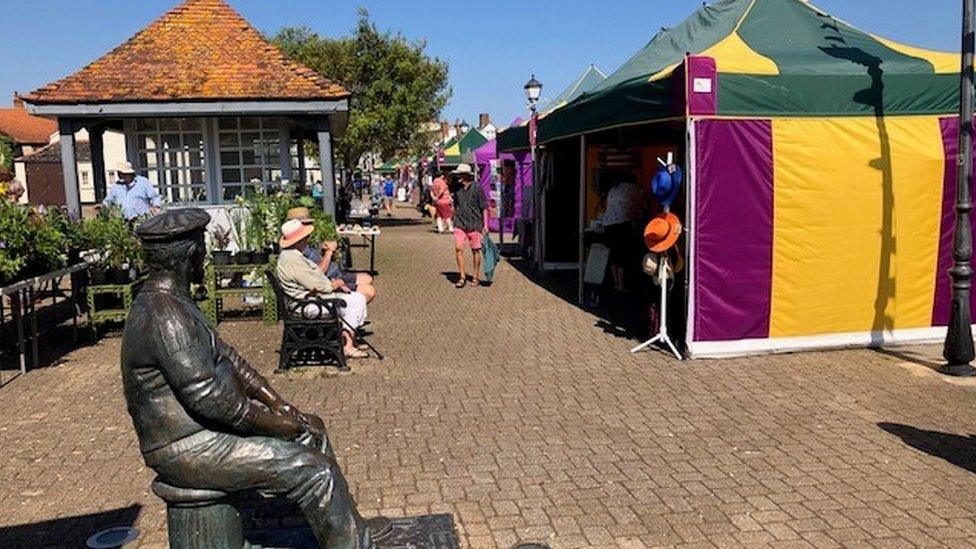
774,58
516,138
454,150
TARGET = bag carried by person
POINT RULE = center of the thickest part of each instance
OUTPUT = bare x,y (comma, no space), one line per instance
490,257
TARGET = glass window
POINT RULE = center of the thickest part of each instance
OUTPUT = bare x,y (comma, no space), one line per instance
172,155
249,154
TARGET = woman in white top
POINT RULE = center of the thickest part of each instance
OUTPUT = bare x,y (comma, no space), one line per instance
620,223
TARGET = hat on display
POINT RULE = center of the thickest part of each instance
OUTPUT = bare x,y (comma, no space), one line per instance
125,168
662,233
667,184
293,231
651,263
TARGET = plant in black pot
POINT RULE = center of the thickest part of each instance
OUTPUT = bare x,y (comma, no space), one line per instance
119,250
220,239
240,228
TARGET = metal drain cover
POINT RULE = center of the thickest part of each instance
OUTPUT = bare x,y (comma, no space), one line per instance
112,538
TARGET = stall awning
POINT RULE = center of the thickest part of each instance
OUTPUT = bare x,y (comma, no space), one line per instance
773,58
516,137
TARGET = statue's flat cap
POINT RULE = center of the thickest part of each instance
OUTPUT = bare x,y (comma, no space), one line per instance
173,225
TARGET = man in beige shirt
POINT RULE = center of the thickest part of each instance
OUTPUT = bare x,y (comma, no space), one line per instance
301,279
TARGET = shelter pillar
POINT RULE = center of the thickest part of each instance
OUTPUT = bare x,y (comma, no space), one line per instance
325,162
96,142
582,220
284,153
69,167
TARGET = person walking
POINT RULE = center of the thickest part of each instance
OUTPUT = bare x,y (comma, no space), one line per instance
471,216
443,204
389,191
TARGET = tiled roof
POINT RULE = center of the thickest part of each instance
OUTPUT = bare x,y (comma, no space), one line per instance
17,124
51,154
202,50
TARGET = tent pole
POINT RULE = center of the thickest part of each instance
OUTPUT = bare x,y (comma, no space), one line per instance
958,350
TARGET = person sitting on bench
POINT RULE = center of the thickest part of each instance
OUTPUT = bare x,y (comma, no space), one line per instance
302,279
356,282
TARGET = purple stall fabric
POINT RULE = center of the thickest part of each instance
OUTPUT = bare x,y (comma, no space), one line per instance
523,177
943,284
733,229
702,90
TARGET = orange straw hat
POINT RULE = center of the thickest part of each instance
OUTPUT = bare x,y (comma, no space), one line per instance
293,231
300,213
662,233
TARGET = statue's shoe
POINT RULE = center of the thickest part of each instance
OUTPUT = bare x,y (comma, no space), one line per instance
379,527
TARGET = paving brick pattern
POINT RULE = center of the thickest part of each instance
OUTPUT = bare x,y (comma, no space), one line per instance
509,408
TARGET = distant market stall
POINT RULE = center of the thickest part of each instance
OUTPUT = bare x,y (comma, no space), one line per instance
820,164
505,178
460,150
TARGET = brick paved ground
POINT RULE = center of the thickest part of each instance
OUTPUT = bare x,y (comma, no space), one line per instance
511,409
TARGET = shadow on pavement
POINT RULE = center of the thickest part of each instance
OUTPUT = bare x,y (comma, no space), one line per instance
625,317
958,450
68,531
912,356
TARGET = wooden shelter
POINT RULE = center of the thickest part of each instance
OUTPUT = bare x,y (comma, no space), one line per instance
208,106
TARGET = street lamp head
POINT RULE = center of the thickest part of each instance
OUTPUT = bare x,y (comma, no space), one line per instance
465,127
533,90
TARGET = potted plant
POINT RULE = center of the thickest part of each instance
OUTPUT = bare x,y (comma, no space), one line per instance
240,227
120,250
220,237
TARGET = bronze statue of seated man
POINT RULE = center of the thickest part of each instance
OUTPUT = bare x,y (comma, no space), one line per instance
205,418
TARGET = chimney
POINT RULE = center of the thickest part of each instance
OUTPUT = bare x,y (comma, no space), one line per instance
445,131
483,120
18,102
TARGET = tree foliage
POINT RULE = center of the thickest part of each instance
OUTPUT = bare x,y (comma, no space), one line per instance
396,87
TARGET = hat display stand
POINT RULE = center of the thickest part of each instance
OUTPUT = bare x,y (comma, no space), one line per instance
663,272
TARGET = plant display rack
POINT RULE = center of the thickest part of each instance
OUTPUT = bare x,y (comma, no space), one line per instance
126,292
216,293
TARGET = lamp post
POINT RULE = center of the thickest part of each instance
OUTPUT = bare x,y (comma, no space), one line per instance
533,90
958,350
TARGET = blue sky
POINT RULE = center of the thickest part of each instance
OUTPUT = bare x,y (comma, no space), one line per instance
492,47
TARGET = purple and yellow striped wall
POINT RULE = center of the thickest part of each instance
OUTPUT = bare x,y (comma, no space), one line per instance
810,227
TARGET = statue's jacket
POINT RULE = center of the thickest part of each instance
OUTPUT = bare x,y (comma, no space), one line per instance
181,381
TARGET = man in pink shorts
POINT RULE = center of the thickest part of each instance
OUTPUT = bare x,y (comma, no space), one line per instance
470,222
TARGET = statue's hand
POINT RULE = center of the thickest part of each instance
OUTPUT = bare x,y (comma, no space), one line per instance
316,427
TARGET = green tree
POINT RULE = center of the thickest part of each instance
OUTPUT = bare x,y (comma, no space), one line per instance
396,87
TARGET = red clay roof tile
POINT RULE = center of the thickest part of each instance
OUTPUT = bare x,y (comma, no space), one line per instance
201,50
24,128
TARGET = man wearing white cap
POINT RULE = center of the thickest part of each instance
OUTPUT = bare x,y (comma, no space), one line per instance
300,278
135,195
470,223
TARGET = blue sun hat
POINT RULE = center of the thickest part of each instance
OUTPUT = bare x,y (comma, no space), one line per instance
666,185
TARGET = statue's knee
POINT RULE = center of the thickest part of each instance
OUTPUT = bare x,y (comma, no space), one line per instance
310,477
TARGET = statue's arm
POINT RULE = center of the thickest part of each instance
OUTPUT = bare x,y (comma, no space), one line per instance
193,377
253,383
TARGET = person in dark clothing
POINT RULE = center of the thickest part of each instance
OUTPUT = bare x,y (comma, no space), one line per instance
470,223
205,419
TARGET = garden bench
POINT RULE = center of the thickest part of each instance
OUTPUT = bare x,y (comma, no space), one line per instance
312,334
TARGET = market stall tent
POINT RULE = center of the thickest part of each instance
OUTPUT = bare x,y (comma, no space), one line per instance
457,151
821,165
516,176
516,136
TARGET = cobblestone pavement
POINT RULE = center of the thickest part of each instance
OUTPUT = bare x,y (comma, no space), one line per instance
511,409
